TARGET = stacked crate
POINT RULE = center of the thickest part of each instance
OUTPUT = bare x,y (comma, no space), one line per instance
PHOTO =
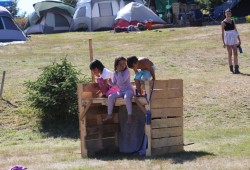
97,137
167,117
165,133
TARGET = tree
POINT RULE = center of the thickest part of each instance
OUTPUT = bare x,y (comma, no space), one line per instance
210,4
70,2
14,9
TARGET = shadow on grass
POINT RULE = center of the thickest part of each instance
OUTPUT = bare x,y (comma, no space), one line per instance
244,74
60,128
176,158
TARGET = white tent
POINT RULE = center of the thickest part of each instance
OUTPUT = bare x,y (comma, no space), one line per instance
94,15
50,17
9,31
135,12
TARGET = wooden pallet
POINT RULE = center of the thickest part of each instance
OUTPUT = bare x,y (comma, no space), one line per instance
165,133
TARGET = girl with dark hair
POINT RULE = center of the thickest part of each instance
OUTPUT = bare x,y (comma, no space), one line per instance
230,36
103,77
122,81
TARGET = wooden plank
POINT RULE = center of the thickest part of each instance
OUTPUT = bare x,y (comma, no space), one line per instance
148,125
159,84
140,105
167,150
118,102
175,84
101,129
169,122
167,132
167,93
164,142
164,103
167,112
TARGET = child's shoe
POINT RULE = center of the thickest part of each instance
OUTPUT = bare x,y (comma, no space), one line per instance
107,118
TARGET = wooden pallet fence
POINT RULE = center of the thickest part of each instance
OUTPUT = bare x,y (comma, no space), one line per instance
167,117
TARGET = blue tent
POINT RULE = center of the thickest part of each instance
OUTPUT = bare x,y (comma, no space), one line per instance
6,3
219,10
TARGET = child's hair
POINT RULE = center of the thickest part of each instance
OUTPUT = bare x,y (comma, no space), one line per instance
228,10
96,64
117,60
131,61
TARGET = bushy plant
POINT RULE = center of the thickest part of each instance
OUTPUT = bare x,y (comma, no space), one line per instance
54,92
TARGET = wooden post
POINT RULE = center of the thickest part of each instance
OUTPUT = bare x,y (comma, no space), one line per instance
2,84
91,57
148,126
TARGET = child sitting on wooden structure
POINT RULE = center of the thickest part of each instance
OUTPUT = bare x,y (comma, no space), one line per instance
144,69
103,77
122,80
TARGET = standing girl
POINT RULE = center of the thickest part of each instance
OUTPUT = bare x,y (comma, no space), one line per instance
122,80
230,36
103,77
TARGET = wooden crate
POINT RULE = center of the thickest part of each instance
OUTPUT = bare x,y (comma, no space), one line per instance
165,133
167,117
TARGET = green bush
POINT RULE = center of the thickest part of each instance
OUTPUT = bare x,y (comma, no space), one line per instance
54,92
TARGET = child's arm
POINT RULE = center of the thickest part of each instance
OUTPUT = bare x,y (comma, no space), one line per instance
147,65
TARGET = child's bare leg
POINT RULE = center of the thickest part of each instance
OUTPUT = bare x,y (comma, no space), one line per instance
138,85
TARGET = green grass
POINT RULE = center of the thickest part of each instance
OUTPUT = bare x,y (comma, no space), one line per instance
216,103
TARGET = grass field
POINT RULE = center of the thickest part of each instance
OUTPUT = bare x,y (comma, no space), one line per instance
216,102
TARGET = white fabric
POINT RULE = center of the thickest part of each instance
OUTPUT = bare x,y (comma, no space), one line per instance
107,74
230,37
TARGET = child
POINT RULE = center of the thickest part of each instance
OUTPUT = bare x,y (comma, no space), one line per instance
230,36
103,77
143,68
122,80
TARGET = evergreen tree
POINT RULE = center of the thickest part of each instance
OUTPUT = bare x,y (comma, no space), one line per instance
14,9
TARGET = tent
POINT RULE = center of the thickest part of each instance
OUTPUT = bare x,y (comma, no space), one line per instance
94,15
133,13
6,3
50,17
232,4
241,9
9,31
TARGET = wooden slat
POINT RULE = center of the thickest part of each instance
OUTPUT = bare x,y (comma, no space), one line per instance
159,84
169,122
167,132
100,129
167,93
175,84
167,112
119,101
164,142
167,150
148,126
164,103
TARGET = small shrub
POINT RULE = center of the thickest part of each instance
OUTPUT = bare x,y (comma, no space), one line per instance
54,92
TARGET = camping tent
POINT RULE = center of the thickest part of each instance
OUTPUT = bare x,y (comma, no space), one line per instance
219,10
135,12
6,3
94,15
241,9
50,17
9,31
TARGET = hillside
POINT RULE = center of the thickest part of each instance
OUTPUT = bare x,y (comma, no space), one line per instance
216,102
